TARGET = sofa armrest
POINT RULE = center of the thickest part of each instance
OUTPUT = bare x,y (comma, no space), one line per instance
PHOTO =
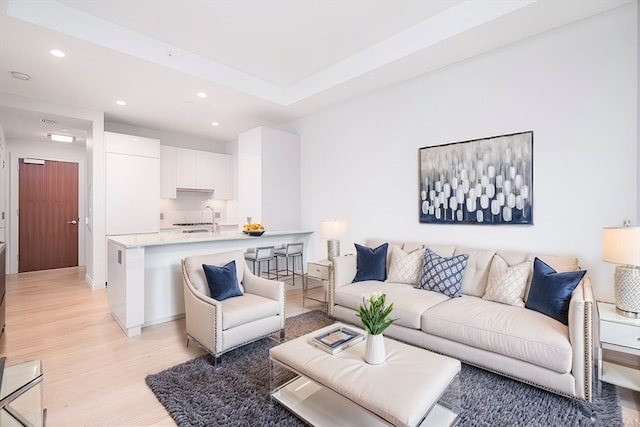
581,337
271,289
342,273
203,317
344,270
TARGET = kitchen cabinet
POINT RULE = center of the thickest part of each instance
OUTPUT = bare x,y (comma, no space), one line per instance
269,178
222,175
205,171
186,169
132,184
168,172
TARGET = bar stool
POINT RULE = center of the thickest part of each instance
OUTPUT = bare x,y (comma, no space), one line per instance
293,252
260,255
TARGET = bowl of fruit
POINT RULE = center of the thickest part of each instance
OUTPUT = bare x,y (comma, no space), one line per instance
253,229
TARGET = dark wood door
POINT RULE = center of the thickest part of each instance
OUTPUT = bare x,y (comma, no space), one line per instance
47,215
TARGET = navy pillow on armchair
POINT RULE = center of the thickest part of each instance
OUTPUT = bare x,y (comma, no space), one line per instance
371,263
222,281
551,291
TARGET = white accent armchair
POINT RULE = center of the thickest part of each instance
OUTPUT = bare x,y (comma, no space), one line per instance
221,326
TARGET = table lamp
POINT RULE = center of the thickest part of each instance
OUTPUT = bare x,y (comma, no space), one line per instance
621,246
333,230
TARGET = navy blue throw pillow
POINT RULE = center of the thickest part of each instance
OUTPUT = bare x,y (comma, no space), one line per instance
222,281
371,264
551,291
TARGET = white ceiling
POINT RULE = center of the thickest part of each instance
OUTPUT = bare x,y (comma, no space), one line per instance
261,62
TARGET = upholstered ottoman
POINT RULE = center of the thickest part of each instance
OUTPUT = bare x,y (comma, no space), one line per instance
343,389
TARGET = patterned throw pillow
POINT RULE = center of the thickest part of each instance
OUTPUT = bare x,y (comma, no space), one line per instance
405,267
443,275
506,284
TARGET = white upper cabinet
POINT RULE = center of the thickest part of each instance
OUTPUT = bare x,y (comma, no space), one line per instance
132,184
205,167
168,172
222,175
205,171
186,169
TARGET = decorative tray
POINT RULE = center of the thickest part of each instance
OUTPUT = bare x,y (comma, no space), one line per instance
336,340
254,233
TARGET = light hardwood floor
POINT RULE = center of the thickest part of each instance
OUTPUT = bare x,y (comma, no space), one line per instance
93,374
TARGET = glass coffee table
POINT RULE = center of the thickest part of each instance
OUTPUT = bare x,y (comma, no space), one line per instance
21,394
343,390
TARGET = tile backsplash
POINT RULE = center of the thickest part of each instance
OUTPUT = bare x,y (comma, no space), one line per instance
189,206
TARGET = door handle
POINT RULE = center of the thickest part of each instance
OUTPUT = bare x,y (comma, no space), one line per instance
74,222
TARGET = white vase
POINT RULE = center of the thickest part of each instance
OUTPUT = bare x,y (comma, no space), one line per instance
375,354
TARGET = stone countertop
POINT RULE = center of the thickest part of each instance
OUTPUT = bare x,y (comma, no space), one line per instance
155,239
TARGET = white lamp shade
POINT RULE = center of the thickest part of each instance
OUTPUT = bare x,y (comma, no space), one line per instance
621,245
333,229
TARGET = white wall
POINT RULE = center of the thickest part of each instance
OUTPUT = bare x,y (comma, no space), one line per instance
575,87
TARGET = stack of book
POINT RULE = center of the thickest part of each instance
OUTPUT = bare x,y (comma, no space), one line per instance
337,339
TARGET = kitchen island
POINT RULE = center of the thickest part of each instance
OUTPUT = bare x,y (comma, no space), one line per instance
144,275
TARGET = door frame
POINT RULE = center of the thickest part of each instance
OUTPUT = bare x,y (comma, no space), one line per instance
12,209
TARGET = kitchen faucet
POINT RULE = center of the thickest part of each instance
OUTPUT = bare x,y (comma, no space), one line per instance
213,217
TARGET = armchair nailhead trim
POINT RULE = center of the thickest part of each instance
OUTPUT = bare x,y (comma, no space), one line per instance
588,349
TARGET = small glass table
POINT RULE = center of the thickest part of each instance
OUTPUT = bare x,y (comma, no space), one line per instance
21,394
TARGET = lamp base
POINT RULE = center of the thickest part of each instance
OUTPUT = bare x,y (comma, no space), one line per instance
333,249
626,284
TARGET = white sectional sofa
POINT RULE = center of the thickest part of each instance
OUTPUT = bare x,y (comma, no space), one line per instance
517,342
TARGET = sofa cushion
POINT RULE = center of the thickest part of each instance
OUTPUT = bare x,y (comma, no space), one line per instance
442,275
442,250
222,281
502,329
558,263
247,308
408,302
551,291
506,284
371,263
405,267
374,243
475,277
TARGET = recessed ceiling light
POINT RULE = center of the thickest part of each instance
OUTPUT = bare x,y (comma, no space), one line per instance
121,102
49,122
202,94
215,124
57,53
61,138
20,76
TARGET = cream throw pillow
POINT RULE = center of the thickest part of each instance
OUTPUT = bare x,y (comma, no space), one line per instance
405,267
507,284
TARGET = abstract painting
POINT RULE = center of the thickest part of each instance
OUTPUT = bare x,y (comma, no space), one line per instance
482,181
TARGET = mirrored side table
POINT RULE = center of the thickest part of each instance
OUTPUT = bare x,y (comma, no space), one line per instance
21,394
318,270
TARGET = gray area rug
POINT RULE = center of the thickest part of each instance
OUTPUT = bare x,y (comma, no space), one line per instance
237,394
